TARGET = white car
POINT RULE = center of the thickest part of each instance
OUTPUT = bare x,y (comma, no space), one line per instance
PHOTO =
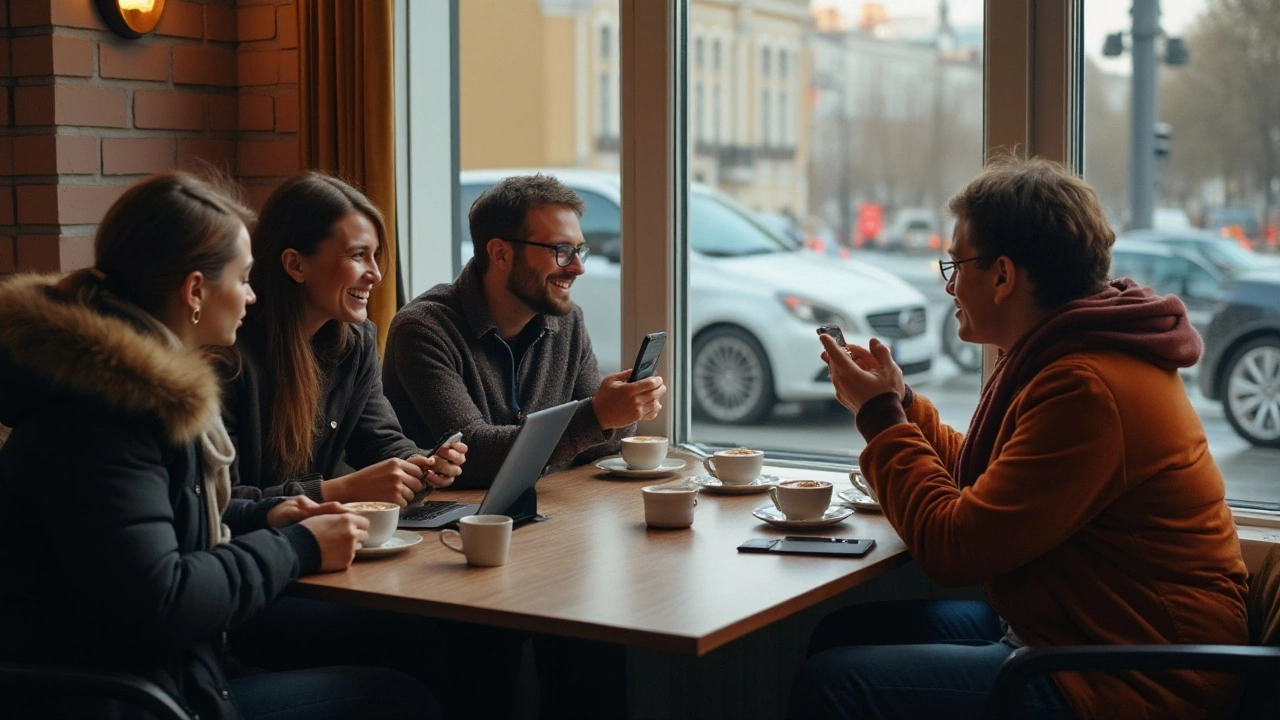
755,302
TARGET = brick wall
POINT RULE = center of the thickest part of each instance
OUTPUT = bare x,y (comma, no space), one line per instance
85,113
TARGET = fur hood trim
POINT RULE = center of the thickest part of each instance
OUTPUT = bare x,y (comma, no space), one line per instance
74,346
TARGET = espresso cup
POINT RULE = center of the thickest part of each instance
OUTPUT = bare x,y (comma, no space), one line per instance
644,452
802,499
736,466
859,482
383,518
669,506
485,539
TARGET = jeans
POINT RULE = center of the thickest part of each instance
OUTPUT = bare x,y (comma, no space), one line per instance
910,660
333,693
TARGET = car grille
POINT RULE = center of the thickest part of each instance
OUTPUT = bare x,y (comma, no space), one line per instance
904,323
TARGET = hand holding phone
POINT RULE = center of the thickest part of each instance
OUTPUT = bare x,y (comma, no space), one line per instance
835,332
448,438
647,358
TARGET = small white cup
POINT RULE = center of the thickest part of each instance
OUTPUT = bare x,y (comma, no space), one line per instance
802,499
669,506
485,539
736,466
860,483
383,518
644,452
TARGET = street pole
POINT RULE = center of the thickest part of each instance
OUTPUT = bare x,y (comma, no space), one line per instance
1142,155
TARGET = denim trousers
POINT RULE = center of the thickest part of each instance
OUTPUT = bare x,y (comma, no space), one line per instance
917,659
333,693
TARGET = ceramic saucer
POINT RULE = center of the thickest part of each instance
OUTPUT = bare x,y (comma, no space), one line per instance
399,541
773,516
619,467
858,500
713,485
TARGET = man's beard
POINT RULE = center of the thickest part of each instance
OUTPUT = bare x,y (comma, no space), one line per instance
525,283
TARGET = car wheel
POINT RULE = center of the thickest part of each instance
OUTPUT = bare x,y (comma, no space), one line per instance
732,382
1251,393
967,356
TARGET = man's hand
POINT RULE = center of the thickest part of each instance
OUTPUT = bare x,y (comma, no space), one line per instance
441,469
392,480
299,507
619,403
861,373
339,534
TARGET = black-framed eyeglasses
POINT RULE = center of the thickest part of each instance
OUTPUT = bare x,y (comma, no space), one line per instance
948,267
564,251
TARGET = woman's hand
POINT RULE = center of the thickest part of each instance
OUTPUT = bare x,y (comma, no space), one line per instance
441,469
299,507
392,480
861,373
339,534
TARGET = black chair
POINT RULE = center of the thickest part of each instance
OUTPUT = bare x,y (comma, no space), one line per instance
27,687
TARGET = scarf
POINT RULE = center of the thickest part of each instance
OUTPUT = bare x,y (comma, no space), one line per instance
1125,317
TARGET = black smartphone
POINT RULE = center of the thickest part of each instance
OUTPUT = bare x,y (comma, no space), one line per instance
835,332
448,438
799,545
647,358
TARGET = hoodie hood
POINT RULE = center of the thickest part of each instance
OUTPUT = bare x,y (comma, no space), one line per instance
53,346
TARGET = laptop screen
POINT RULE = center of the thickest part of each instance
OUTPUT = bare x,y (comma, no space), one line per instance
527,457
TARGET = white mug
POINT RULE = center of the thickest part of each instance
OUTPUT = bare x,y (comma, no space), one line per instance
860,484
802,499
735,466
383,518
644,452
485,539
669,506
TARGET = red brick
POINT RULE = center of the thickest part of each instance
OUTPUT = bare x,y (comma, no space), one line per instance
32,55
136,156
4,13
53,253
79,204
69,105
6,205
6,156
76,14
287,27
133,61
4,107
55,155
220,23
289,67
33,105
224,112
38,204
77,154
6,69
267,159
256,112
204,66
287,113
26,14
181,19
259,68
168,110
193,152
257,23
8,255
256,195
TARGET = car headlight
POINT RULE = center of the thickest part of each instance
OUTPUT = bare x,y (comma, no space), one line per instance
815,313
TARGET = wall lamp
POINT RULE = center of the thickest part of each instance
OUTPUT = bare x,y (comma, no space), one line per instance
130,18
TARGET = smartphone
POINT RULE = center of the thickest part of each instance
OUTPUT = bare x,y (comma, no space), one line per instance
800,545
647,358
835,332
448,438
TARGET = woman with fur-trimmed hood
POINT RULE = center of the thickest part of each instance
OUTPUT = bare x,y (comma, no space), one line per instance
119,543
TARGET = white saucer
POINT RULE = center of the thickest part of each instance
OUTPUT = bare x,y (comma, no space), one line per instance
399,541
859,501
773,516
713,485
619,467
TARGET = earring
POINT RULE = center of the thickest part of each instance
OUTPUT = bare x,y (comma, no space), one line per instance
195,316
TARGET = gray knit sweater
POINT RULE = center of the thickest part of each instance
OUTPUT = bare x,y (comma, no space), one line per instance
447,368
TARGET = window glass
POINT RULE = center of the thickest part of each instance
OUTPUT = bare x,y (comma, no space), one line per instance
1183,166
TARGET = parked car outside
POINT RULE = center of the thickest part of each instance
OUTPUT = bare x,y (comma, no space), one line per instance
754,301
1241,363
1236,222
1224,253
1170,218
912,230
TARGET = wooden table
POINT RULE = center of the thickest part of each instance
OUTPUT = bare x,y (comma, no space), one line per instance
593,570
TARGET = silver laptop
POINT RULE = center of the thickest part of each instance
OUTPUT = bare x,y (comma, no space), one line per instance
512,492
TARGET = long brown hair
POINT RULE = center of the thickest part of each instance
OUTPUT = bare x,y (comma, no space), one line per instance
158,232
299,215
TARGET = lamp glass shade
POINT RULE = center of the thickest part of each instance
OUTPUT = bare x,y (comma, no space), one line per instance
130,18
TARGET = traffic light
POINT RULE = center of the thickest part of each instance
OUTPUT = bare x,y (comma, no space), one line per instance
1164,136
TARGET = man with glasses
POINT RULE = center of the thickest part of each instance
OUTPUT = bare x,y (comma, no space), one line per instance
504,339
1083,498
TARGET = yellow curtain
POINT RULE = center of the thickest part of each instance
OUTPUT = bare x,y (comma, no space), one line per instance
347,121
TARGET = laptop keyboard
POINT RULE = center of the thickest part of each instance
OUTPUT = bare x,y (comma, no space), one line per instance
429,510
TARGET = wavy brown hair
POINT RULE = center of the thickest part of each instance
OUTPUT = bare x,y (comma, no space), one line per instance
299,215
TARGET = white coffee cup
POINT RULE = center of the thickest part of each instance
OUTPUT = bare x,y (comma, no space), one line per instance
735,466
383,518
802,499
669,506
485,539
644,452
860,483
